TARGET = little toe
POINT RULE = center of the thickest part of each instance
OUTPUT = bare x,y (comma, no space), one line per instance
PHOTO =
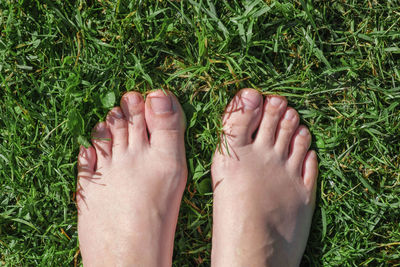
299,146
274,108
165,121
133,106
86,161
286,128
118,126
241,118
310,170
101,140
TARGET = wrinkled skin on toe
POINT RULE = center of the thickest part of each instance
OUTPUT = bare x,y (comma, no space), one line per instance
264,187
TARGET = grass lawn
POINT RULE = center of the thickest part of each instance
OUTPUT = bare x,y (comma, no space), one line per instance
64,64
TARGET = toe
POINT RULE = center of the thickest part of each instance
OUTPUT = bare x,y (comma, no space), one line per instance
101,140
299,147
274,108
310,170
118,126
242,117
132,105
286,128
165,121
86,161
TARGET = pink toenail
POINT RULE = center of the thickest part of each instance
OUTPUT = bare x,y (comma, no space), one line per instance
161,104
250,99
289,114
303,132
275,101
134,99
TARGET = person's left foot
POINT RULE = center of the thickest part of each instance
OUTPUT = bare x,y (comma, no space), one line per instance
130,184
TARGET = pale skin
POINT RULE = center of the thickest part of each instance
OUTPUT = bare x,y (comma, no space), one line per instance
131,181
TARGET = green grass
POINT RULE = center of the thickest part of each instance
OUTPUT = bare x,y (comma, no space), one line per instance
64,64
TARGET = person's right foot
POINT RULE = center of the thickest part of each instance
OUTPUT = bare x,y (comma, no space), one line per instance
264,188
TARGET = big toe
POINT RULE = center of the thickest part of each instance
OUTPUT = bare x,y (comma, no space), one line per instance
165,121
241,118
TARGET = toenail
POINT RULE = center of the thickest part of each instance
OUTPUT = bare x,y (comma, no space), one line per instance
251,99
275,101
161,104
289,115
133,99
303,132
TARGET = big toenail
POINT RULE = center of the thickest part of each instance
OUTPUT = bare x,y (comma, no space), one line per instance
251,99
303,132
161,104
289,114
275,101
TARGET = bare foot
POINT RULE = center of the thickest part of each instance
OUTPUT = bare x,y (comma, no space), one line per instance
130,183
264,187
